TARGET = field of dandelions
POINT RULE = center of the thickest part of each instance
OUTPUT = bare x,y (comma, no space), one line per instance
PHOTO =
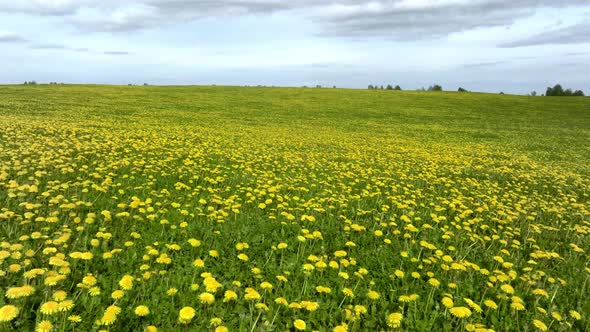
263,209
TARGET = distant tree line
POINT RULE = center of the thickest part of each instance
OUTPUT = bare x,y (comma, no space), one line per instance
558,91
389,87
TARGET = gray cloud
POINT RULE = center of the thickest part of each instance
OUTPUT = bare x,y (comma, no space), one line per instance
484,64
395,19
49,47
575,34
116,53
9,37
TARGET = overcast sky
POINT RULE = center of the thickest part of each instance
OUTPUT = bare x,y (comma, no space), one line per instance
485,45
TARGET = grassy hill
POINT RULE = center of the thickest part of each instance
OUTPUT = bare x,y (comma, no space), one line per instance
395,202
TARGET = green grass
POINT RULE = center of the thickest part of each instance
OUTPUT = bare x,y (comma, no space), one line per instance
481,178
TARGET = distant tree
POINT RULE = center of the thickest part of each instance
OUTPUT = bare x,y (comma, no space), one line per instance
462,90
389,87
501,92
382,87
334,87
578,93
398,88
435,87
318,86
371,87
558,91
145,84
533,93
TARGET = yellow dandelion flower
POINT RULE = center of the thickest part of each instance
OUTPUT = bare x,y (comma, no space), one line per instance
126,282
394,320
8,312
229,296
66,305
49,308
518,306
460,312
59,295
490,304
206,298
373,295
142,310
539,325
341,328
506,288
299,325
186,314
18,292
44,326
117,294
448,302
251,294
575,315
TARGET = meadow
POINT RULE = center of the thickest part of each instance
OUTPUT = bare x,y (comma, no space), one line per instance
291,209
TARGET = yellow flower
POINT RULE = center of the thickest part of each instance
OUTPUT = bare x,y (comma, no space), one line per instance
8,312
347,292
151,328
539,325
94,291
66,305
89,280
198,263
126,282
299,325
243,257
281,301
541,292
172,291
448,302
518,306
49,308
59,295
186,314
460,312
44,326
221,329
490,304
229,296
394,320
575,315
373,295
18,292
117,294
75,318
206,298
251,294
215,321
142,311
507,289
341,328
